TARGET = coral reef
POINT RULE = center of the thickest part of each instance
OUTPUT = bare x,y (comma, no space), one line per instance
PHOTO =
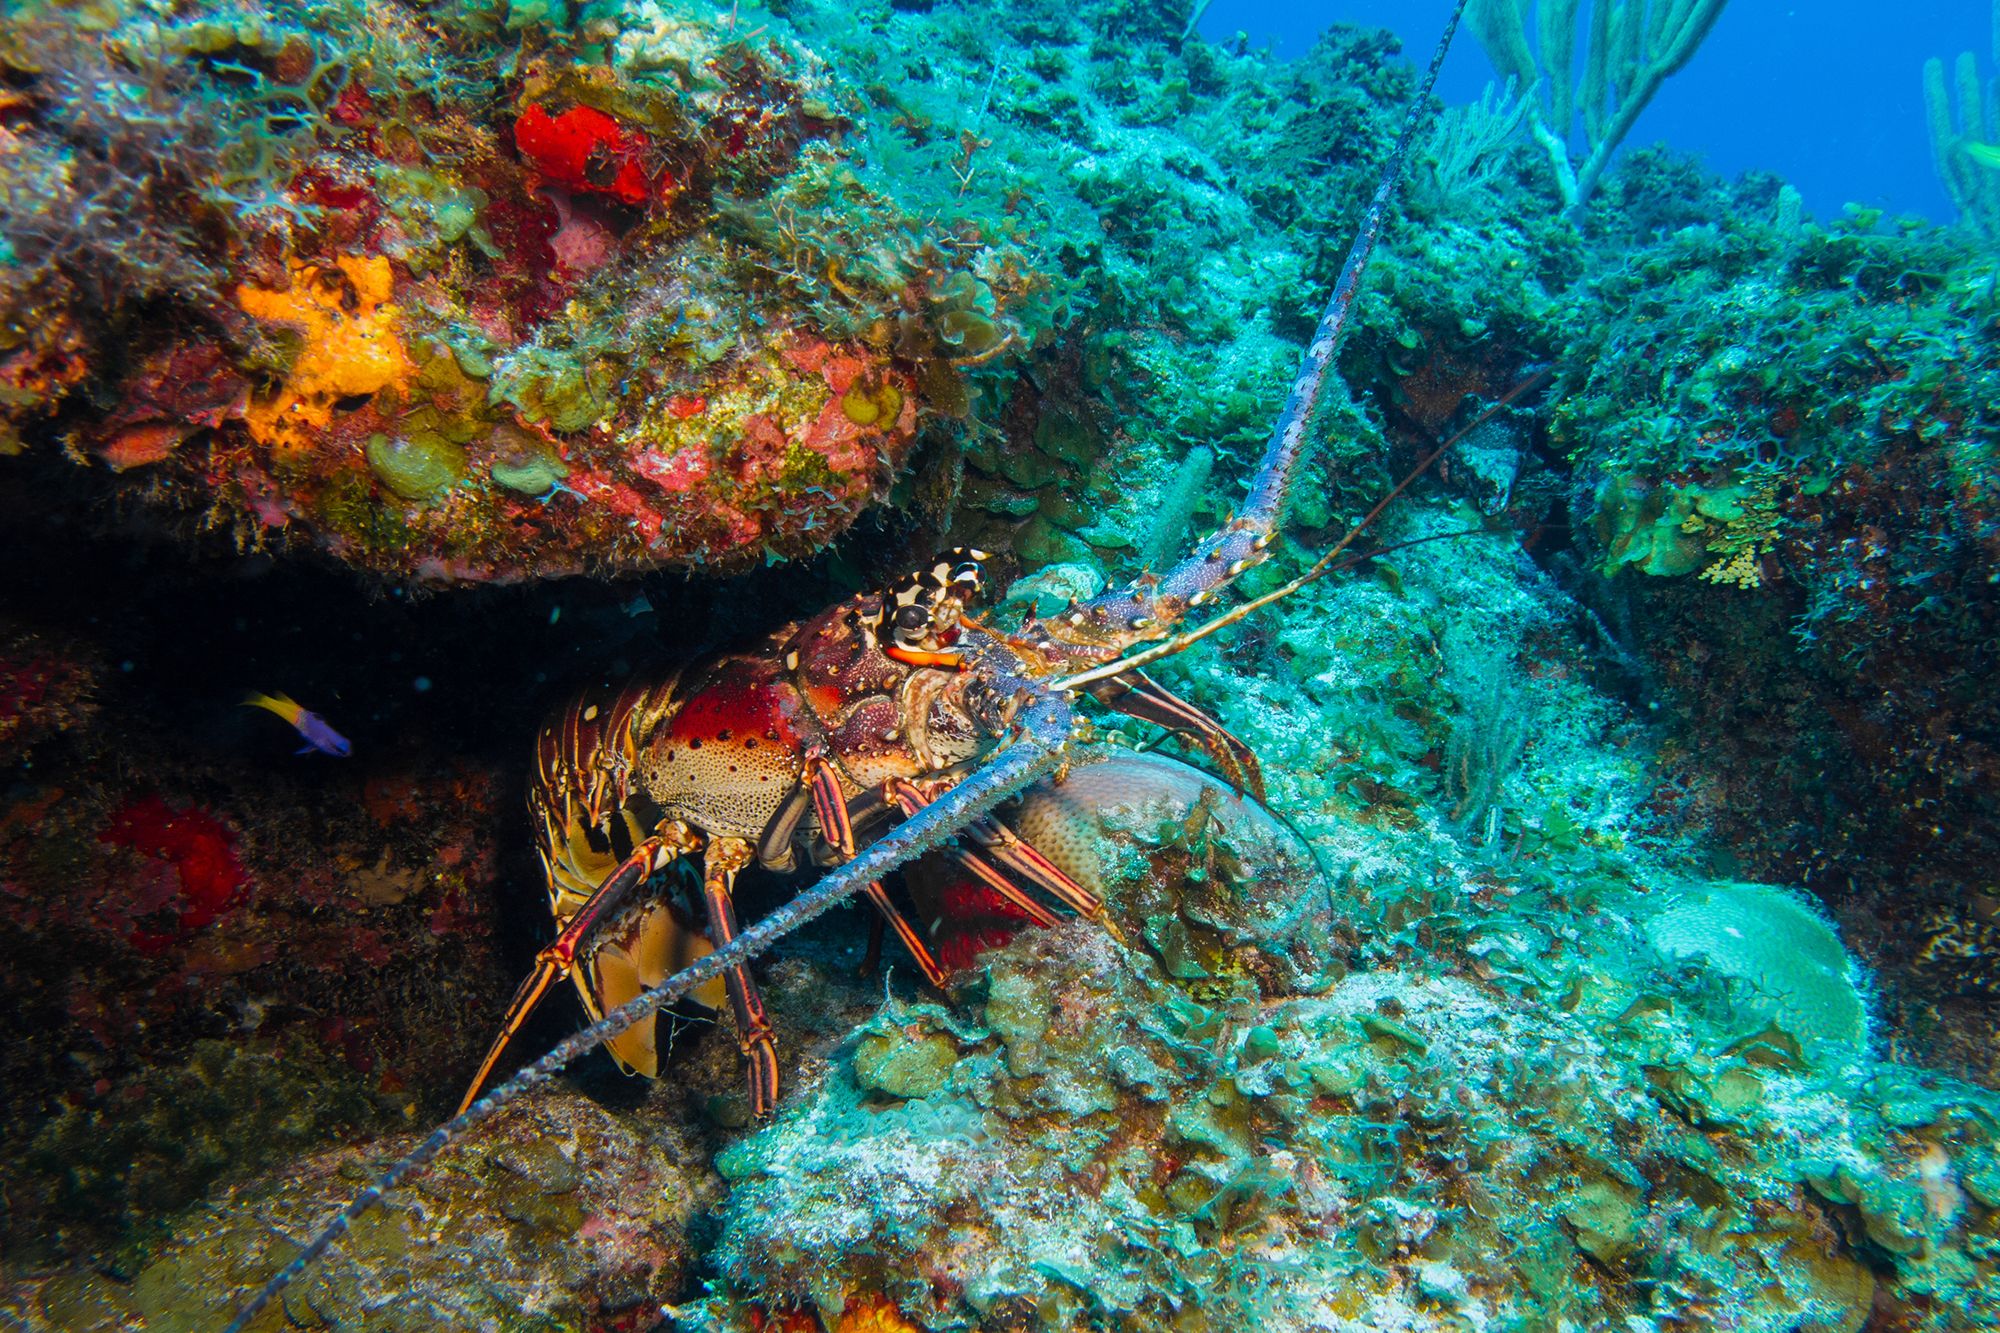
1621,922
1778,437
579,1218
1284,1098
691,304
1251,1121
219,954
188,972
444,325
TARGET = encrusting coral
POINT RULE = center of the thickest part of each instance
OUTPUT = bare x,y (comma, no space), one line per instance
422,271
578,1216
348,347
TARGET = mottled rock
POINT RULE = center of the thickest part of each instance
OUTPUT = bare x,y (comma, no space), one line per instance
559,1214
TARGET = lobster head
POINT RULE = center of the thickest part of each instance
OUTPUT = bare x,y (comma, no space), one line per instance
968,682
919,618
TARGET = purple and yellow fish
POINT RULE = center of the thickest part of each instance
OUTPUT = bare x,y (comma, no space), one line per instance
318,735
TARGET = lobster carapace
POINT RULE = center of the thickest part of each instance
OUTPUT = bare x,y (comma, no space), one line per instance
777,753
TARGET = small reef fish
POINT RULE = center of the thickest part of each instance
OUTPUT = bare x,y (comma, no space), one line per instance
1985,154
318,735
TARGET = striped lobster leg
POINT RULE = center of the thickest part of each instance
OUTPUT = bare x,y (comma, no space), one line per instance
1034,750
614,940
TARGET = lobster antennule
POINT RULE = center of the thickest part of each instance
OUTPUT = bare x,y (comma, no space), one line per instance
1033,751
1151,607
1327,563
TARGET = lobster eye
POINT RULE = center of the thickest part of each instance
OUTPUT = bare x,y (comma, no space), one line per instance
911,619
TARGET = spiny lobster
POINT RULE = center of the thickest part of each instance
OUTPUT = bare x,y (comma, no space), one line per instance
895,701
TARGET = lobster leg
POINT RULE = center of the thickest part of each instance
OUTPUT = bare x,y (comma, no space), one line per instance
1007,848
926,961
1018,855
559,958
1137,694
990,876
547,971
830,804
911,799
774,846
872,959
724,858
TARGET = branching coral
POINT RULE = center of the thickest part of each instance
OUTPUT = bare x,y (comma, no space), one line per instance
1963,137
1491,729
1740,526
1632,48
1468,146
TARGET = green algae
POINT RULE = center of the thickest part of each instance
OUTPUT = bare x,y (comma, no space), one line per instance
421,468
348,505
905,1065
550,388
802,470
532,474
436,212
1646,527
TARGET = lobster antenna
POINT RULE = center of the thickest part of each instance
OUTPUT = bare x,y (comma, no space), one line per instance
1325,564
1035,749
1274,477
1222,555
1032,751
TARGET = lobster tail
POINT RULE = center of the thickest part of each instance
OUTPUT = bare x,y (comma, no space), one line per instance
1152,606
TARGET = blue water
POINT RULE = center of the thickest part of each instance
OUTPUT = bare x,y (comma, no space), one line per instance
1827,94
